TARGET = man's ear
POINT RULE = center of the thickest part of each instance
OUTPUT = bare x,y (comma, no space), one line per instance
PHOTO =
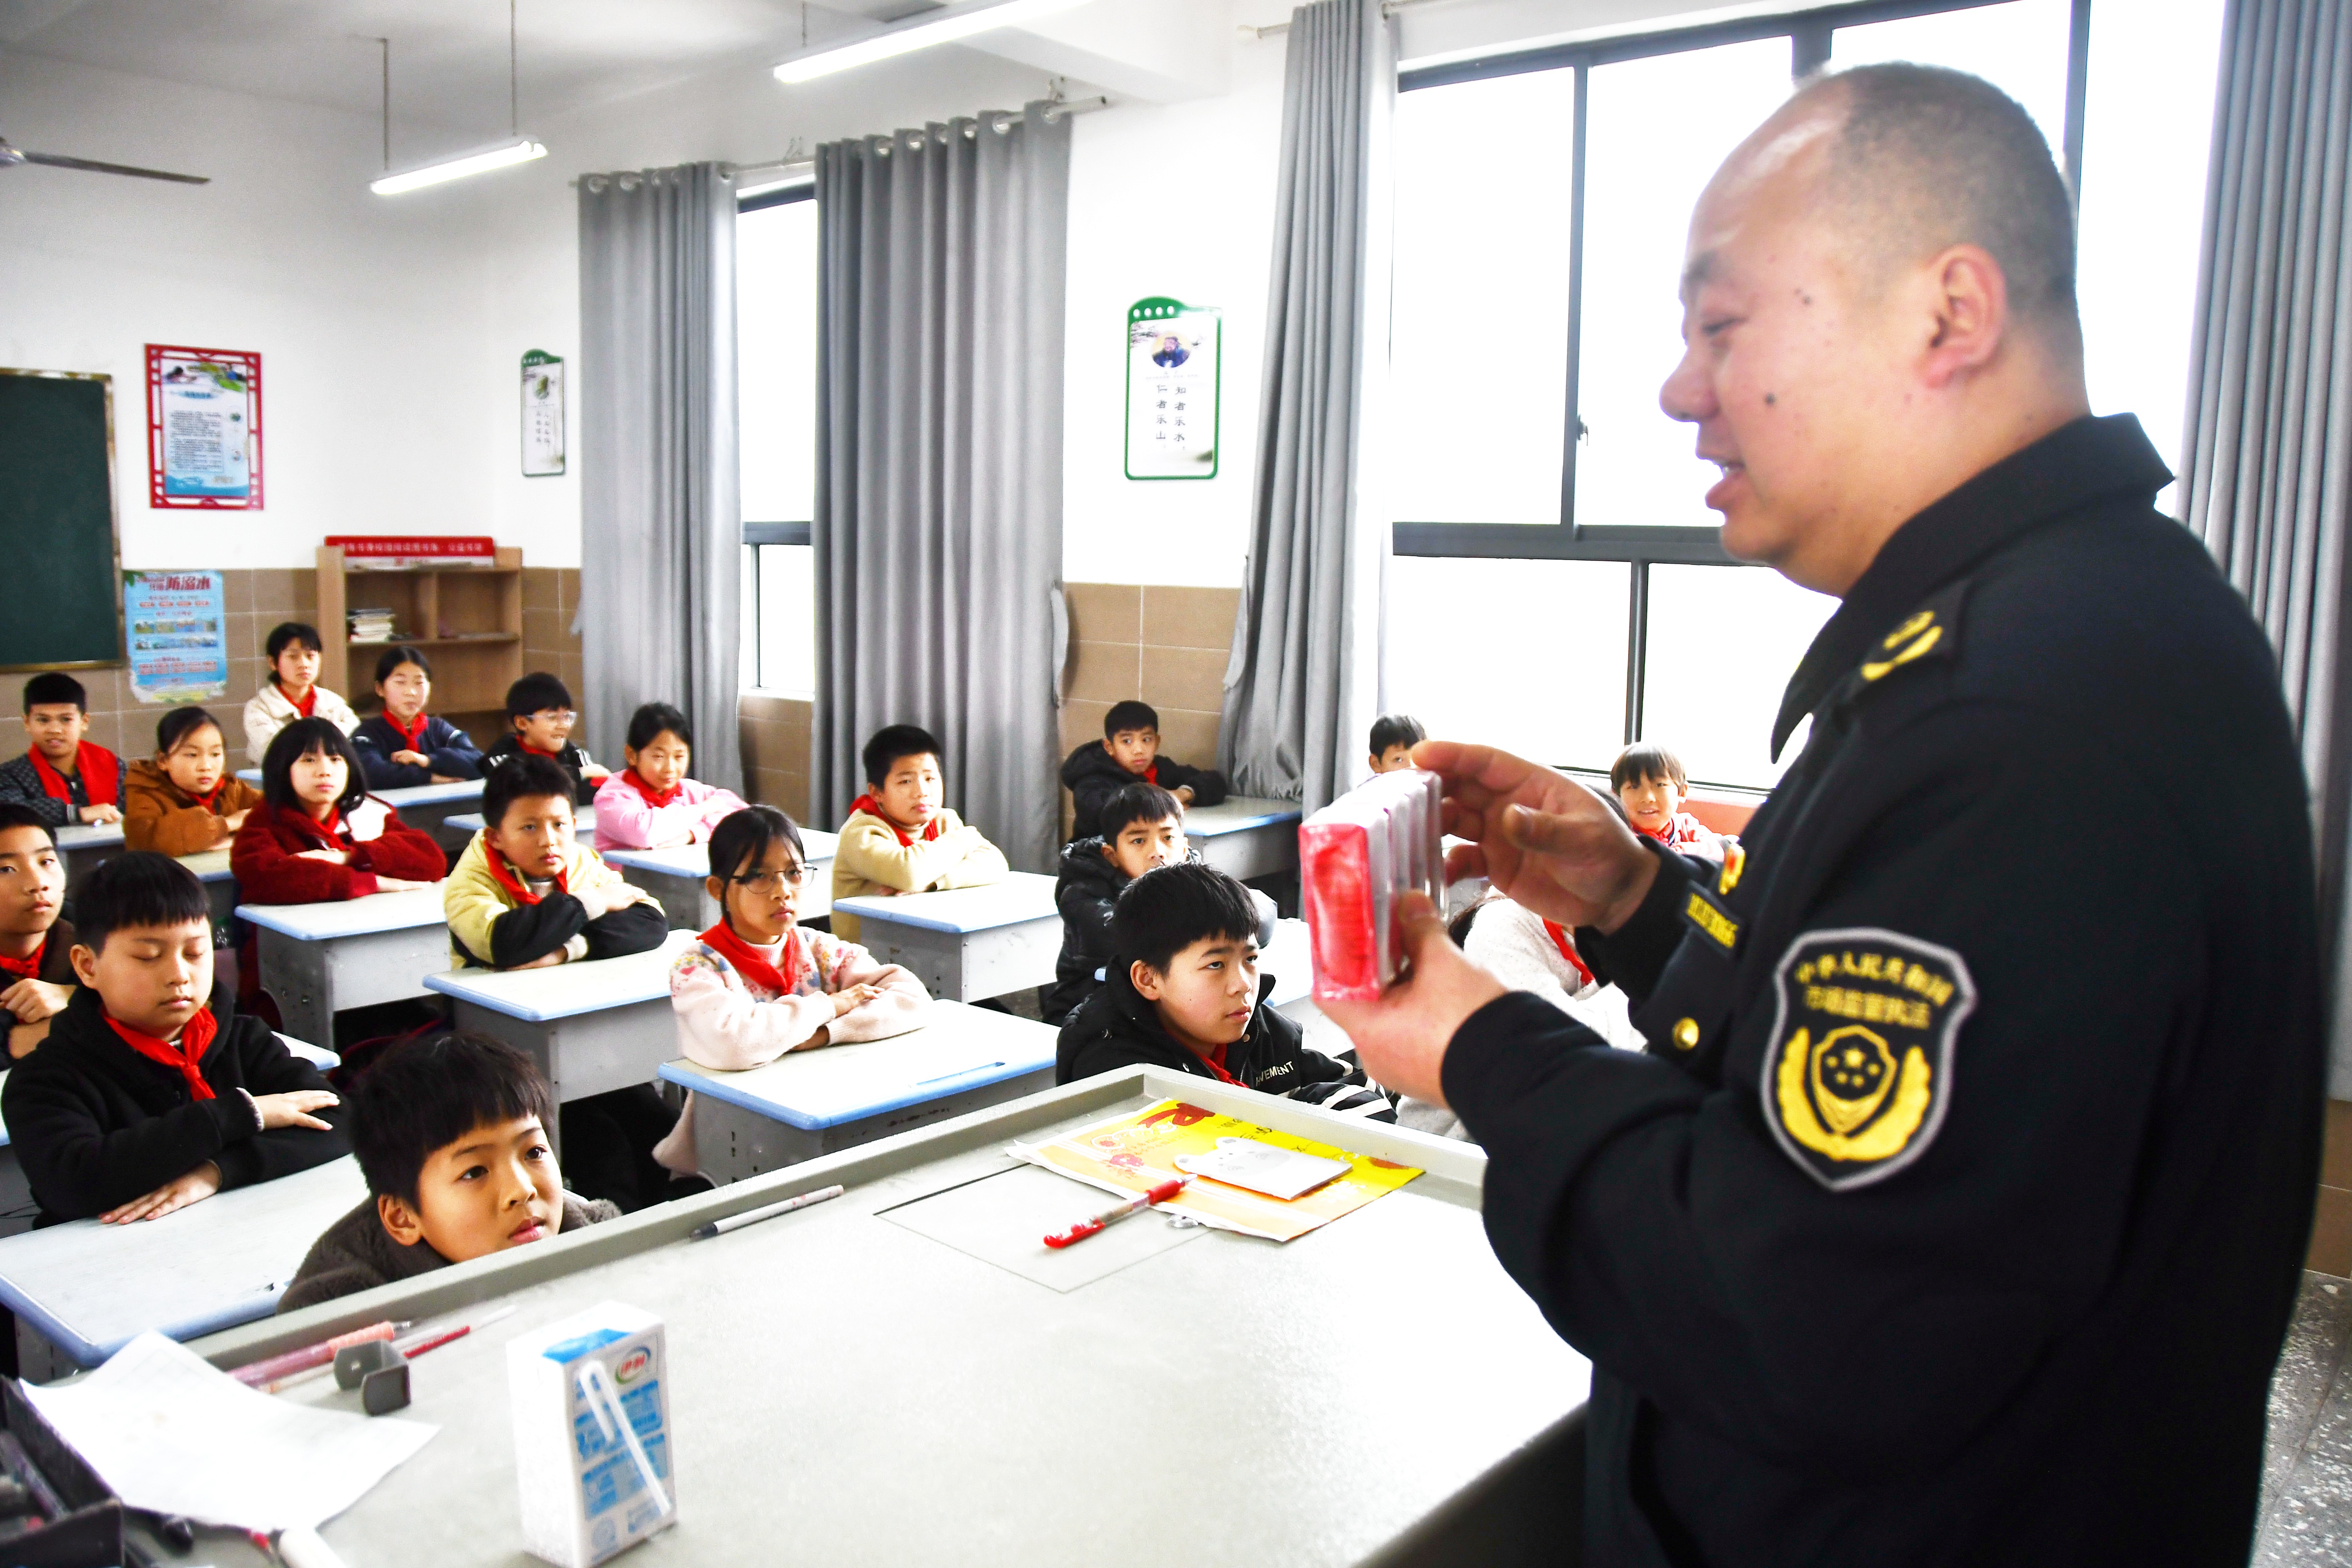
1146,983
1971,307
400,1222
85,964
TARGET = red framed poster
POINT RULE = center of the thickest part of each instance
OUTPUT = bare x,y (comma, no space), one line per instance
203,427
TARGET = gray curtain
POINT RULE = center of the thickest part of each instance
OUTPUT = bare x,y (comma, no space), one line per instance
1302,685
938,530
2270,415
660,526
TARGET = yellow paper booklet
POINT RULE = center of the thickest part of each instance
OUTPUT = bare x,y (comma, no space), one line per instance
1134,1154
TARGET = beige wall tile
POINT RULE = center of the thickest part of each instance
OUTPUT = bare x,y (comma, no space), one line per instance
542,630
1081,722
1191,618
1189,736
1105,612
1190,678
245,678
539,589
567,591
305,599
236,589
105,729
2331,1233
274,593
1105,672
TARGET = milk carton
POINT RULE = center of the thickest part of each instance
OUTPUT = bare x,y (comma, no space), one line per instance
1355,856
592,1433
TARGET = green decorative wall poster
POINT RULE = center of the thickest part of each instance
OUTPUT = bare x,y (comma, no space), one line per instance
543,413
1171,389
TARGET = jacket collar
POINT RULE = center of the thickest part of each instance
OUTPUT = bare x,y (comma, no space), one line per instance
2089,460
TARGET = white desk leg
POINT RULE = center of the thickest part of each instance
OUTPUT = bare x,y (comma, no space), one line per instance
383,966
82,860
735,1145
589,1054
297,975
971,967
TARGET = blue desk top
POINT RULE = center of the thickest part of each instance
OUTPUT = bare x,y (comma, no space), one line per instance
1022,896
958,1049
567,990
90,835
1237,814
430,794
694,859
349,917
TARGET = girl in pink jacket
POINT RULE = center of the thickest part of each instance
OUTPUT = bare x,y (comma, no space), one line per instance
757,985
651,804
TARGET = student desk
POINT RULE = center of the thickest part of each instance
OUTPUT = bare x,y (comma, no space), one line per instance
1245,838
583,818
902,1375
82,1291
85,846
427,808
676,876
319,959
212,869
807,1103
590,1027
966,944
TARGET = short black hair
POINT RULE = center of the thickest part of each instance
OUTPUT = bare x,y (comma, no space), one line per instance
537,692
298,740
1396,730
1130,715
646,724
16,813
893,741
743,838
1169,908
1138,802
398,655
1643,761
137,889
55,686
526,775
287,632
425,1093
178,723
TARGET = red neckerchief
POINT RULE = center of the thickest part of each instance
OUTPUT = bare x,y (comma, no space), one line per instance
94,765
867,804
25,968
195,1039
629,776
1151,773
209,801
331,831
749,962
1559,938
304,703
525,746
502,871
413,739
1216,1064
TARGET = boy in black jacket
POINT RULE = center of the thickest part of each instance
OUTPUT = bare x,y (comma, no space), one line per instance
540,717
1130,752
141,1100
1142,828
1189,997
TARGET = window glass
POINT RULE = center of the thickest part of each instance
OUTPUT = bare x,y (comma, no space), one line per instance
1526,655
1655,130
2019,47
775,359
787,619
1478,334
1723,642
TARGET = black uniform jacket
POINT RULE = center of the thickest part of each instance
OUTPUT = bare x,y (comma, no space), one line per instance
96,1124
1116,1028
1093,775
571,759
1956,1212
1087,891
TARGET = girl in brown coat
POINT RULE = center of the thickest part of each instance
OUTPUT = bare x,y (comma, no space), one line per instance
186,801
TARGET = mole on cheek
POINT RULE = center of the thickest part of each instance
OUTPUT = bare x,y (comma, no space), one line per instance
1770,399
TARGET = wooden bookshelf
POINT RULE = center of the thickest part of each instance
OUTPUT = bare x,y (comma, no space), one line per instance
467,619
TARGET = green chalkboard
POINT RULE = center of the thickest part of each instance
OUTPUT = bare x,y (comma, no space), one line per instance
56,522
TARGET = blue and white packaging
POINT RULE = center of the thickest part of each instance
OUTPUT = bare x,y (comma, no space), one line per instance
592,1433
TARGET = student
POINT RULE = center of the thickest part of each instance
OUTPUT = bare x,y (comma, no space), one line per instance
291,690
540,717
186,801
1142,828
403,746
1188,997
651,804
526,895
1650,783
451,1135
36,972
1129,750
143,1101
1394,736
898,837
758,985
68,781
317,835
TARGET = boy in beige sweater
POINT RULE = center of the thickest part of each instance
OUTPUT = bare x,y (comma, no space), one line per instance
899,838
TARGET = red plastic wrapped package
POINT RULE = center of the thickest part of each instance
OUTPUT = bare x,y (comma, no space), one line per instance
1355,856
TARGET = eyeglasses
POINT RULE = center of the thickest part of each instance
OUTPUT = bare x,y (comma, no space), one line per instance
768,881
557,715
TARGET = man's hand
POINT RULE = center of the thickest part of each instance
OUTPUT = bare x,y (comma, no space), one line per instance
96,813
1542,839
602,901
293,1109
450,778
851,997
235,819
177,1193
1401,1038
34,1000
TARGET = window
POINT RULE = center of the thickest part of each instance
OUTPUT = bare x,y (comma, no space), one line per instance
1541,204
775,359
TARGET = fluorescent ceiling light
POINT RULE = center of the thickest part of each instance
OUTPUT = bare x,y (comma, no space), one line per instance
940,26
520,150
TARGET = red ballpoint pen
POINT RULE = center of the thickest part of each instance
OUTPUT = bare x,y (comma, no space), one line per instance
1136,1204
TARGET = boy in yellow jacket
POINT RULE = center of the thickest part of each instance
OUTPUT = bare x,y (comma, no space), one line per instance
899,838
526,894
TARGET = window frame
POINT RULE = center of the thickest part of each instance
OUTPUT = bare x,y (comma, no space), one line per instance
755,534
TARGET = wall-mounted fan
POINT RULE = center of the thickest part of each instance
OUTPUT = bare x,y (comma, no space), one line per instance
11,156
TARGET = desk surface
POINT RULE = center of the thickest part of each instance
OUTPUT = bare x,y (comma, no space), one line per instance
90,1287
90,835
842,1380
566,990
1021,896
349,917
957,1048
1237,813
415,795
584,820
694,859
212,866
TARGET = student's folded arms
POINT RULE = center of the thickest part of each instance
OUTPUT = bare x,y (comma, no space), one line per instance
526,893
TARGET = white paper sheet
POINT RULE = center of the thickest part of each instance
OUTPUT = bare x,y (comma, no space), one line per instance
173,1433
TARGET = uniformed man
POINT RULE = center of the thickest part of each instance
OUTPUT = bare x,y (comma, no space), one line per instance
1954,1214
